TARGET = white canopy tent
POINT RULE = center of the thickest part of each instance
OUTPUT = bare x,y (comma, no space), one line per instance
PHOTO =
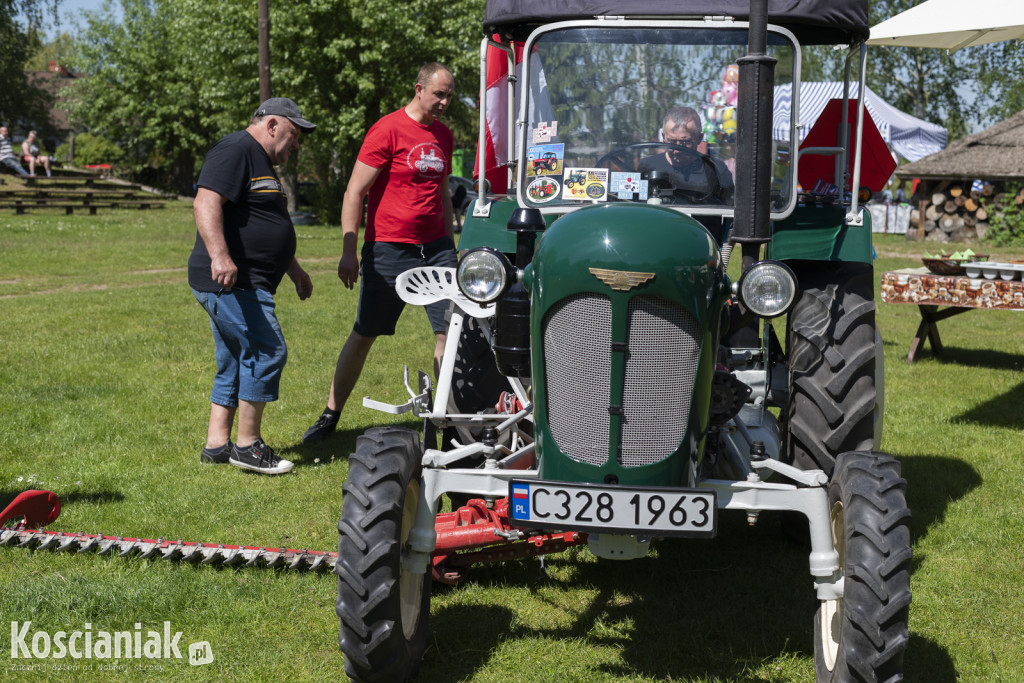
910,137
952,24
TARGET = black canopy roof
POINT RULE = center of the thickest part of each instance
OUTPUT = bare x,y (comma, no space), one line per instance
815,22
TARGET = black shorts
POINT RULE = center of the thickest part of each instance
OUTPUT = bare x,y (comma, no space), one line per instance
382,263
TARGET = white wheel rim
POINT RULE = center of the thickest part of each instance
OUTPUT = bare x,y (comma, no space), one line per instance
830,614
410,584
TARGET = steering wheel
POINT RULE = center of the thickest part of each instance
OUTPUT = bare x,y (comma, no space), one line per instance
688,195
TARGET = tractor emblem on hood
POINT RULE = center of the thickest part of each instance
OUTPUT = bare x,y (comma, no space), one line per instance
621,280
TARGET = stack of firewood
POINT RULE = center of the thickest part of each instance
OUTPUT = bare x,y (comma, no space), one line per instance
956,213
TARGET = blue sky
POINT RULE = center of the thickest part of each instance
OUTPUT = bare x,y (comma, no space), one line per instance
70,12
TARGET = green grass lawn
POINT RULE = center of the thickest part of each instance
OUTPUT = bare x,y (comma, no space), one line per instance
106,362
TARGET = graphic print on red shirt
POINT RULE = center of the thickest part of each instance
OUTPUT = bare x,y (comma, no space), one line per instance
414,159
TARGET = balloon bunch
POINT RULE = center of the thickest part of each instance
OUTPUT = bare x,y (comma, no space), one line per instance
720,110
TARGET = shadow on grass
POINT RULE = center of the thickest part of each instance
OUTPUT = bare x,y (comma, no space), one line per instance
933,483
1001,411
337,446
704,609
975,358
719,609
66,498
691,608
928,657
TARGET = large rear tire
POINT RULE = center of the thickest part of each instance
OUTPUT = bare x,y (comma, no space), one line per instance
383,609
863,635
831,349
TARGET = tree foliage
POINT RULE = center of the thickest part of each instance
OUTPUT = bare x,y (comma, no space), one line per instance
154,85
970,88
173,76
91,149
997,68
22,103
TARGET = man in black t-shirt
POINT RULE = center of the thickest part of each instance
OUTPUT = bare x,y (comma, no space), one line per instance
245,245
695,179
699,178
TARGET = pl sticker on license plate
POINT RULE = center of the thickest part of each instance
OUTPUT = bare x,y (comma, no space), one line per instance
609,509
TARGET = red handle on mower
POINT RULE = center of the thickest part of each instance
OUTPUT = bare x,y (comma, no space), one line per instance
39,508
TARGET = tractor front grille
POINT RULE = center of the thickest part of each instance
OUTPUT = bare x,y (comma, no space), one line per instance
660,369
577,365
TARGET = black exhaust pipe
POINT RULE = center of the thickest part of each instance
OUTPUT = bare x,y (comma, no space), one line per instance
751,224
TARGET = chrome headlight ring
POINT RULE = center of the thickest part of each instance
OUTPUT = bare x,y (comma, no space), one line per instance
768,289
484,274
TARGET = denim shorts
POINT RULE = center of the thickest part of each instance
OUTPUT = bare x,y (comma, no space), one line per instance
249,345
382,263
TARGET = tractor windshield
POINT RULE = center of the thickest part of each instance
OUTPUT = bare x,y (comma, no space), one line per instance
640,114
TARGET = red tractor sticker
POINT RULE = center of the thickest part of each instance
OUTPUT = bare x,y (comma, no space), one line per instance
544,160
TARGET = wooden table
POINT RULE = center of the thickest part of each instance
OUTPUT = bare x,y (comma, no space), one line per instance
957,293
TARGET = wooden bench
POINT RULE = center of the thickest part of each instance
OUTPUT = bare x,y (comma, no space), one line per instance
20,206
42,180
87,193
957,293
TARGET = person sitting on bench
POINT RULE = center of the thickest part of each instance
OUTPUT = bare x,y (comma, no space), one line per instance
32,154
7,156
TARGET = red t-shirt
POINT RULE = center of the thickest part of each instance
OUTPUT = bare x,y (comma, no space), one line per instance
414,159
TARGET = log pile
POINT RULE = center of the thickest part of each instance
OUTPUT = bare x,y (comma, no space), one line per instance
955,213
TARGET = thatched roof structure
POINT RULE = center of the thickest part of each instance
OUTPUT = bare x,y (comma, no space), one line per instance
996,153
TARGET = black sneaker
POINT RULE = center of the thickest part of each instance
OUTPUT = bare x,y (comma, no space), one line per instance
323,427
217,456
259,457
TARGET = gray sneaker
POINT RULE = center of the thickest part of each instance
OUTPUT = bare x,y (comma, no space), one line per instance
259,457
217,456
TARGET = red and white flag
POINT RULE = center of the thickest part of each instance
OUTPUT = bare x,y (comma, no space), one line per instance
496,139
498,92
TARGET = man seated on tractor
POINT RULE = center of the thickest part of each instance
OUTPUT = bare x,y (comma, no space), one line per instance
689,176
694,176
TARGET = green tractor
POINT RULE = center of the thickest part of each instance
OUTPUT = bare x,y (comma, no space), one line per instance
606,382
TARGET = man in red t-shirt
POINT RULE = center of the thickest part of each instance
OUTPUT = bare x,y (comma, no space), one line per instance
403,165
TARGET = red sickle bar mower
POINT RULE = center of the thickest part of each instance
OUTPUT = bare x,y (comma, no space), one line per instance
474,533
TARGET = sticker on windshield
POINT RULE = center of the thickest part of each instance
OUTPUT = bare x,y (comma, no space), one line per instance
544,160
542,190
628,186
544,132
585,183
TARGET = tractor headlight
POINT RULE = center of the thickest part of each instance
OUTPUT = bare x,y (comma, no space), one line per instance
484,274
768,289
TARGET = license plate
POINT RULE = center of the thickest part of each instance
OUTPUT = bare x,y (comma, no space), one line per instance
613,509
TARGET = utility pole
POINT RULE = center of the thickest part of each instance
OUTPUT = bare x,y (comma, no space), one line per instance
264,47
289,174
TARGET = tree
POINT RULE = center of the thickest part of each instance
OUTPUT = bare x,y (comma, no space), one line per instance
22,104
997,68
176,75
60,50
165,82
347,63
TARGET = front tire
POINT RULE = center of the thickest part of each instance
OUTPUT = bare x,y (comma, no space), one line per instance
383,609
863,635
